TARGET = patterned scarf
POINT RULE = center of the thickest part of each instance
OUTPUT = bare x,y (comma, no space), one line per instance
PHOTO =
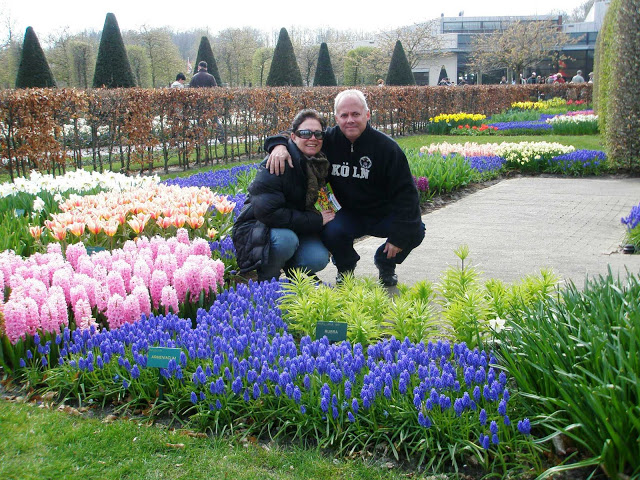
317,171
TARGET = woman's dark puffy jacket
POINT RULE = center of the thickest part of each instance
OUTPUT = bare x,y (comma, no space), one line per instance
275,201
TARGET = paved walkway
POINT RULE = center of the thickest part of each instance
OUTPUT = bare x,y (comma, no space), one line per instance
518,226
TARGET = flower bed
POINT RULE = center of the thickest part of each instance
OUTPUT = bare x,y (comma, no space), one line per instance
632,222
109,219
576,124
108,289
240,364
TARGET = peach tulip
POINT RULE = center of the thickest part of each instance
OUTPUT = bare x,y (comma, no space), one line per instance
36,232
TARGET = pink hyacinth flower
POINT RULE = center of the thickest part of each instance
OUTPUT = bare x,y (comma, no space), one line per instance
15,322
115,311
169,299
144,300
158,281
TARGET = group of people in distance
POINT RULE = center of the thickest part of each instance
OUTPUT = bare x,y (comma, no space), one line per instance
280,227
553,78
201,79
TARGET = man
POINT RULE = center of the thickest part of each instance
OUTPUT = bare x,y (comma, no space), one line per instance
203,78
578,78
532,79
371,180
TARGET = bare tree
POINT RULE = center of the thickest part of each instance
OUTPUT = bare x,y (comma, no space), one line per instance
521,45
364,65
59,57
10,47
261,64
83,59
234,49
420,40
164,58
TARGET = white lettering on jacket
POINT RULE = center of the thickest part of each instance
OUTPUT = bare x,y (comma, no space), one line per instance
343,171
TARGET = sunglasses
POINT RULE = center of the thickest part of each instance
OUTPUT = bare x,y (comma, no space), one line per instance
306,134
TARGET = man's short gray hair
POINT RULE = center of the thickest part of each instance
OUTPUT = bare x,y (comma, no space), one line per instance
350,93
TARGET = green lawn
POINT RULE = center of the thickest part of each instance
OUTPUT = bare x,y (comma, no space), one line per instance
42,444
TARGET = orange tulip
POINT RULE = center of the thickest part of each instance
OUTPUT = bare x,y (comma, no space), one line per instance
163,222
36,232
59,233
178,220
195,221
211,233
94,225
77,228
111,227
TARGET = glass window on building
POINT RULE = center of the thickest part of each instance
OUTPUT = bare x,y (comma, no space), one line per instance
452,26
490,26
422,78
471,26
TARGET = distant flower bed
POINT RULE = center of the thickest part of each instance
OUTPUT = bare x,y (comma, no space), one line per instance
579,162
109,219
523,125
230,180
576,124
524,156
443,124
473,130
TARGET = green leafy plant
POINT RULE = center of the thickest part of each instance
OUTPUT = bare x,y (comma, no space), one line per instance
583,346
445,174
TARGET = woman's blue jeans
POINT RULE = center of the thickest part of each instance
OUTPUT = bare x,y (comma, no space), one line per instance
289,250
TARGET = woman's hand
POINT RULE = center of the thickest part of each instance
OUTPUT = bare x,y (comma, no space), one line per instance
327,216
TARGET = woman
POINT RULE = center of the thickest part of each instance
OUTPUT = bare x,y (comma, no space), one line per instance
279,227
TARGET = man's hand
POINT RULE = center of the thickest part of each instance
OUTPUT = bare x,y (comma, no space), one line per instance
391,250
327,216
279,155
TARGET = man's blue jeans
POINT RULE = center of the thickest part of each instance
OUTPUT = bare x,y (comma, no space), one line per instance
338,235
288,250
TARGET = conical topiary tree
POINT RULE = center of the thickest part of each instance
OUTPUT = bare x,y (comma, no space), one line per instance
205,53
443,74
324,76
34,70
112,66
399,69
284,69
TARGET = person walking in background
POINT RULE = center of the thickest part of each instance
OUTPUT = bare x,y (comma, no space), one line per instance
590,77
279,226
203,78
578,78
371,179
532,79
180,79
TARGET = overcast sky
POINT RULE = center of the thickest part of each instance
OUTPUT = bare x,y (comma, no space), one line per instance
50,16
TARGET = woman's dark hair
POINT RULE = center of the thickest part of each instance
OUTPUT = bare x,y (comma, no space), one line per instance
180,76
307,113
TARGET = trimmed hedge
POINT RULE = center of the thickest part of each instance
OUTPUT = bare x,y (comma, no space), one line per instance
130,126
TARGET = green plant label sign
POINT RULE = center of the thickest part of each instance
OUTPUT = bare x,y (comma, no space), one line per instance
334,331
92,250
159,357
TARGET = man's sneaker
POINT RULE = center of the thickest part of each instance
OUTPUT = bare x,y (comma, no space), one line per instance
342,274
387,275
